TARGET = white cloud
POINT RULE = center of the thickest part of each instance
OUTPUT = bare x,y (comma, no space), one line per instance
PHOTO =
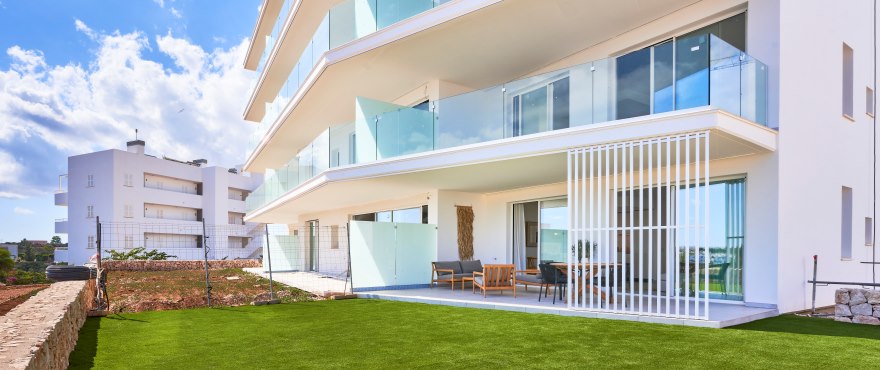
219,39
28,61
23,211
10,169
49,112
176,13
82,27
161,3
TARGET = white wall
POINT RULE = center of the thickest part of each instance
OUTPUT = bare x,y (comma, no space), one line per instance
110,195
820,151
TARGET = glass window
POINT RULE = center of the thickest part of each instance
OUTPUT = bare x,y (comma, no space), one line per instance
384,216
364,217
846,223
425,105
725,240
692,71
553,230
533,111
847,81
561,103
663,77
732,30
409,215
634,84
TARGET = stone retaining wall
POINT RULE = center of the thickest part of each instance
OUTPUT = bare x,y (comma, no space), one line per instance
41,332
858,306
139,265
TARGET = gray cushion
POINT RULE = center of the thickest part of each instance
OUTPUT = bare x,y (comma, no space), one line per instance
528,279
471,266
478,280
457,277
448,265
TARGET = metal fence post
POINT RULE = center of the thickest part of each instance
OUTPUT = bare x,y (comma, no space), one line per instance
100,287
207,276
269,260
348,247
815,262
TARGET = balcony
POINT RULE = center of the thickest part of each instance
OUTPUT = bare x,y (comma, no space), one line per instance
707,72
61,226
61,198
345,22
272,37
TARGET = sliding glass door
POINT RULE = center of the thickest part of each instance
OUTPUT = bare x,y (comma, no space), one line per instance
553,230
644,81
726,236
537,109
540,232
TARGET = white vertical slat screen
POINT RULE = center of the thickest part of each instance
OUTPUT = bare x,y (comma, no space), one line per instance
638,227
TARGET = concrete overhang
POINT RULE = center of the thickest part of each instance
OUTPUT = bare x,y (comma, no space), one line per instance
268,13
505,164
473,44
296,32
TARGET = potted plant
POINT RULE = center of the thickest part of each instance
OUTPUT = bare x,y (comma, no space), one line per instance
581,254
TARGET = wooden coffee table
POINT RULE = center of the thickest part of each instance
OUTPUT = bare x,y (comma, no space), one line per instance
466,279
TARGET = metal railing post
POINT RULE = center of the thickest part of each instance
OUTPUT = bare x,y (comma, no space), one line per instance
269,260
815,263
207,276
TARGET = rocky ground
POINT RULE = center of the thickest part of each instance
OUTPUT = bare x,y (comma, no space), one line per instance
14,295
135,291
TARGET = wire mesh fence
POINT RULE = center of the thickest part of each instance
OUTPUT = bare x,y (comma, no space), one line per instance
312,258
190,264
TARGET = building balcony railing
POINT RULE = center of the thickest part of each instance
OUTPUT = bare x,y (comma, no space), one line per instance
703,71
345,22
272,37
61,225
61,198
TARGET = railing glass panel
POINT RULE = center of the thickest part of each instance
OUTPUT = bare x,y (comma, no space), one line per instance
345,22
708,71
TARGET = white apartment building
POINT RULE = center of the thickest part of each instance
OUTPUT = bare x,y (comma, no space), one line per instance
155,203
682,156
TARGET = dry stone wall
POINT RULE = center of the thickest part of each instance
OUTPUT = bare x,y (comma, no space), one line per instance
142,265
858,306
41,332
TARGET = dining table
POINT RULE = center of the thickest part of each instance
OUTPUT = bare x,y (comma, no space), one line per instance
590,268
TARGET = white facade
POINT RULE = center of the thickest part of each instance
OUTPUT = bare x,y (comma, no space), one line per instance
797,166
156,203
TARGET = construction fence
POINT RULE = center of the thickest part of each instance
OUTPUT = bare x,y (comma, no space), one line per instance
196,264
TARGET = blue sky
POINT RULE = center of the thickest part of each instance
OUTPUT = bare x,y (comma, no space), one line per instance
79,76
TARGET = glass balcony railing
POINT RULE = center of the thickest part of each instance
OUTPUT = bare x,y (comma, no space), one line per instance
272,37
703,71
345,22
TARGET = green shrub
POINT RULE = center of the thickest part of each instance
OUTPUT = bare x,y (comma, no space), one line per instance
21,277
138,253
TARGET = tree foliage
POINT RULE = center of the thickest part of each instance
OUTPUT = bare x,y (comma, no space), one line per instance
6,262
139,253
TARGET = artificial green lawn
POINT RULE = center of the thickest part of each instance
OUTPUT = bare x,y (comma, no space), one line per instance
384,334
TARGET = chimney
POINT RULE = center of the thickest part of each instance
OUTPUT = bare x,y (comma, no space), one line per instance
136,147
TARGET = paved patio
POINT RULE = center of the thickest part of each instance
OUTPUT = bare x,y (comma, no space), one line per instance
720,314
312,282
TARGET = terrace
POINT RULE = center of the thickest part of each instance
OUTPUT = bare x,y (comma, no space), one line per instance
713,75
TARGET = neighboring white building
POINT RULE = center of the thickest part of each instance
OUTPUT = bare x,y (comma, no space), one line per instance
156,203
12,248
719,141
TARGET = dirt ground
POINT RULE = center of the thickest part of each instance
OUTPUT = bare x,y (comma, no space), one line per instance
135,291
14,295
